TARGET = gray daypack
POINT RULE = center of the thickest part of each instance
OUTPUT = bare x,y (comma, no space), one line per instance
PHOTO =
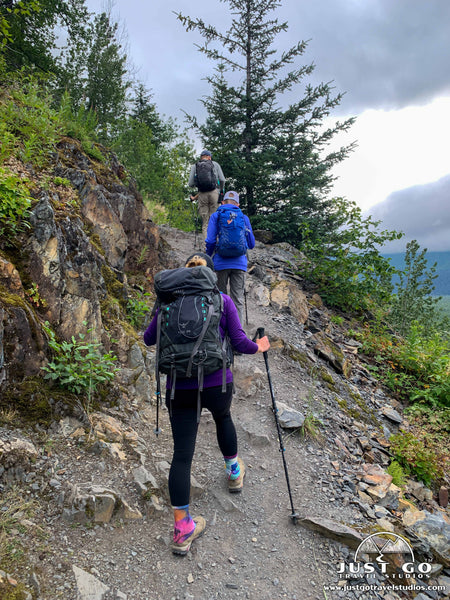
188,340
205,178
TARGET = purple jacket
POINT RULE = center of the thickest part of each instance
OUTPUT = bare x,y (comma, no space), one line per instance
229,323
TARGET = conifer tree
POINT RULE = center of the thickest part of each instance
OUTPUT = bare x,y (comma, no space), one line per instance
272,152
106,81
157,154
144,111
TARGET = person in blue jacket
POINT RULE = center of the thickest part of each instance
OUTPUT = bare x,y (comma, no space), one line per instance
230,269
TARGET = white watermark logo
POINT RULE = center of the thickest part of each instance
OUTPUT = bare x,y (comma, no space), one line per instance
389,554
384,561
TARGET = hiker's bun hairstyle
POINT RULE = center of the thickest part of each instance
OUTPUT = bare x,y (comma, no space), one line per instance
200,259
196,261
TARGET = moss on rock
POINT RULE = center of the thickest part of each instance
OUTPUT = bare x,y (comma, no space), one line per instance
114,287
33,399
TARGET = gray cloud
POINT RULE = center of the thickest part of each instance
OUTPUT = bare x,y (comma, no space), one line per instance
381,53
422,212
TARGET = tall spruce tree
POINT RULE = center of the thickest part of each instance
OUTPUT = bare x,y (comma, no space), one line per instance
273,154
94,72
106,85
144,111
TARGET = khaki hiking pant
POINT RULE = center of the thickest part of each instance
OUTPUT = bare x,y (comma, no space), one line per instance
207,205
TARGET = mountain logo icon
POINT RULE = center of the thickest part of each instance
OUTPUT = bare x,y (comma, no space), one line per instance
384,542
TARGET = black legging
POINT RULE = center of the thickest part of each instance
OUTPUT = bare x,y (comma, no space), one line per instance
184,432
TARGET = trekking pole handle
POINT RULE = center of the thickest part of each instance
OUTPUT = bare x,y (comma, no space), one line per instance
259,334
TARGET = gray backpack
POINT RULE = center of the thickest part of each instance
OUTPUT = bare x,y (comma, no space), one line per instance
205,178
188,339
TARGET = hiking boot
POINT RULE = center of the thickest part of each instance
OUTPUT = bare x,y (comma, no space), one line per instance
236,485
183,548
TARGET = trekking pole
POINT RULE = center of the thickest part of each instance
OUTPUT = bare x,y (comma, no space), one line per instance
245,302
195,225
192,200
294,515
157,429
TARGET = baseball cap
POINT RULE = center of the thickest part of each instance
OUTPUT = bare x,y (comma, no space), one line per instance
232,196
205,153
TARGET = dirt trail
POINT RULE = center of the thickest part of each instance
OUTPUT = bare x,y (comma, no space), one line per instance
251,548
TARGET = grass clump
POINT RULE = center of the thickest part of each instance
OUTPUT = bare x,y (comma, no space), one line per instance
311,428
13,510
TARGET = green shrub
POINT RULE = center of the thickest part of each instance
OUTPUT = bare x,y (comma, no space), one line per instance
8,141
30,126
346,264
337,320
397,473
62,181
137,309
80,125
427,359
416,367
29,123
15,202
78,365
415,458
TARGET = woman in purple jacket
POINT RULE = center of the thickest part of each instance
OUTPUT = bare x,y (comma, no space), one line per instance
184,423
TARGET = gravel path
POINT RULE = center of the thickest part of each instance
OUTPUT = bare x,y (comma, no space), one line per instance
251,547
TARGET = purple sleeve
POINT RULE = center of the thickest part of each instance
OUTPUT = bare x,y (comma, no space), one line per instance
231,324
150,332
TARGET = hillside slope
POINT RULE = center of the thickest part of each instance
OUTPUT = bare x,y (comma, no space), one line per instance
84,512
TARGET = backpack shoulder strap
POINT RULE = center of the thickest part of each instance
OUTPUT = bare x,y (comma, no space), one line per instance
199,339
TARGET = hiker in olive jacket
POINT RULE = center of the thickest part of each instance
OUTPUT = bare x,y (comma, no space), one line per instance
208,192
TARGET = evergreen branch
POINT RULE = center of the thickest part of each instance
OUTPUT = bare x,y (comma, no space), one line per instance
209,32
215,55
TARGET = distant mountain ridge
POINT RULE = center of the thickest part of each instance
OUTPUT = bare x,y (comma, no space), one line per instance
442,283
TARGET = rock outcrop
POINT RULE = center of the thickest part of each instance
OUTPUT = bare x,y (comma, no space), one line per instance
91,242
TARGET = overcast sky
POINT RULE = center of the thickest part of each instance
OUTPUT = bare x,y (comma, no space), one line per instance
390,57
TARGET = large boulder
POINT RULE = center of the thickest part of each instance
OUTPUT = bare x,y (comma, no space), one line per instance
288,297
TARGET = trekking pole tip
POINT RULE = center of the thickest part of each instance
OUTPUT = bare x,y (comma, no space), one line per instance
157,431
295,517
